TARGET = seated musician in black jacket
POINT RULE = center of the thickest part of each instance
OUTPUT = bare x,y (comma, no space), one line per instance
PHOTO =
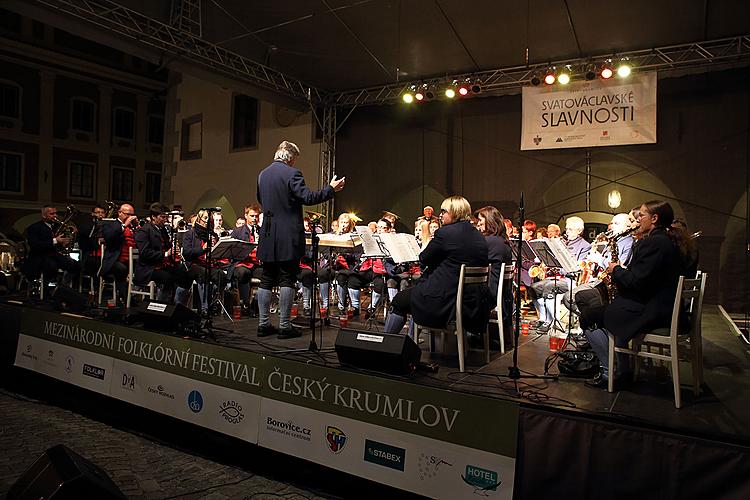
195,253
491,224
89,236
154,249
44,249
432,300
645,289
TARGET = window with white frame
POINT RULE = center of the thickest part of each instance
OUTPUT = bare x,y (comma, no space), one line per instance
153,186
10,100
82,114
122,184
123,126
81,179
11,172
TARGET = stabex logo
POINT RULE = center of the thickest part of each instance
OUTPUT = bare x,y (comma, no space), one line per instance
29,353
335,439
288,428
128,382
231,411
195,401
385,455
93,371
482,480
429,466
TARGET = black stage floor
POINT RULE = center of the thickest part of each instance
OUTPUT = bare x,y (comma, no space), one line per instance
721,412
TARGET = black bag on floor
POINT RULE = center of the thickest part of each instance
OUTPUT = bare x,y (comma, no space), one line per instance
578,363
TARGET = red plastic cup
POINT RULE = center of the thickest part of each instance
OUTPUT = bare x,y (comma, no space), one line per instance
295,310
237,312
344,321
349,313
323,312
524,328
554,343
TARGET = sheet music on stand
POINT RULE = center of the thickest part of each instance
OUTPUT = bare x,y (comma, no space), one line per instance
370,243
231,248
563,255
527,253
402,247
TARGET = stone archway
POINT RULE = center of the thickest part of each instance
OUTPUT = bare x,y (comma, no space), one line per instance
733,266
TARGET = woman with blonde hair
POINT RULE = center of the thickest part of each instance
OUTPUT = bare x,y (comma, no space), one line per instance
432,300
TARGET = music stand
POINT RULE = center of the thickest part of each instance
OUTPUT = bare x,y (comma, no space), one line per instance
209,324
546,256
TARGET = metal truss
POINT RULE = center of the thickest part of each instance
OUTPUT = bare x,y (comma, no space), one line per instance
185,15
183,43
327,122
511,79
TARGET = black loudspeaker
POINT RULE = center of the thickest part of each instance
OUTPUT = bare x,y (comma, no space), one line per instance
61,474
167,317
68,300
384,352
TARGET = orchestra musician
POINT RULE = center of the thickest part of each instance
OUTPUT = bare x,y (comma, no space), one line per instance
432,300
45,241
119,237
154,251
195,254
545,291
90,239
341,266
645,289
428,215
553,231
248,268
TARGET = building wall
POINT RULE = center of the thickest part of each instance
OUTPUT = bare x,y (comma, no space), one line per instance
221,176
52,67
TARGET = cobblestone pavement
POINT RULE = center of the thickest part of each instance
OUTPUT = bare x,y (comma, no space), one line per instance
141,467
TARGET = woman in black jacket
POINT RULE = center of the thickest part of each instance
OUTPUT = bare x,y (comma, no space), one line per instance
491,224
432,301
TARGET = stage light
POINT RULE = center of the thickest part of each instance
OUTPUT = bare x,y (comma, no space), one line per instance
450,93
623,70
463,90
408,98
419,96
590,72
563,77
476,87
614,199
429,94
535,80
606,70
550,77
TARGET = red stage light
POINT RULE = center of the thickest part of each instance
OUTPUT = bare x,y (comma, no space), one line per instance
463,90
607,73
549,78
419,96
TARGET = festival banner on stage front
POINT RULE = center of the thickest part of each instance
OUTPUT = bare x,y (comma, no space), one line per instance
590,113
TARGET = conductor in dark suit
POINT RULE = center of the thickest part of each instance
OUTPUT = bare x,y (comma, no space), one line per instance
44,249
432,301
645,289
282,193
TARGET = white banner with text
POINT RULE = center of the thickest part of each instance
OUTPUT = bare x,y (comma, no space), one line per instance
590,113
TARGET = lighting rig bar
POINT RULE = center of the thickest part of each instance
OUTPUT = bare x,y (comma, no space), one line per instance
173,40
511,79
186,16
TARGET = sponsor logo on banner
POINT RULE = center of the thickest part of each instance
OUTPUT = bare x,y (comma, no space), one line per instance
50,358
195,401
93,371
29,353
429,466
335,439
128,381
160,391
231,411
482,480
537,140
69,362
385,455
289,428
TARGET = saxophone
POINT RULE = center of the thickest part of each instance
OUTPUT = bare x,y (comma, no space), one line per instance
614,253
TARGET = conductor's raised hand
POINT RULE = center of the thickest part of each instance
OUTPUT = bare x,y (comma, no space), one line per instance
338,184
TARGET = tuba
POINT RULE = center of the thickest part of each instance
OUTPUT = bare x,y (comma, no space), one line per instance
67,229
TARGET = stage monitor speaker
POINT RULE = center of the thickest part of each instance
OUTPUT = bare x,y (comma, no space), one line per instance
68,300
166,317
384,352
62,474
